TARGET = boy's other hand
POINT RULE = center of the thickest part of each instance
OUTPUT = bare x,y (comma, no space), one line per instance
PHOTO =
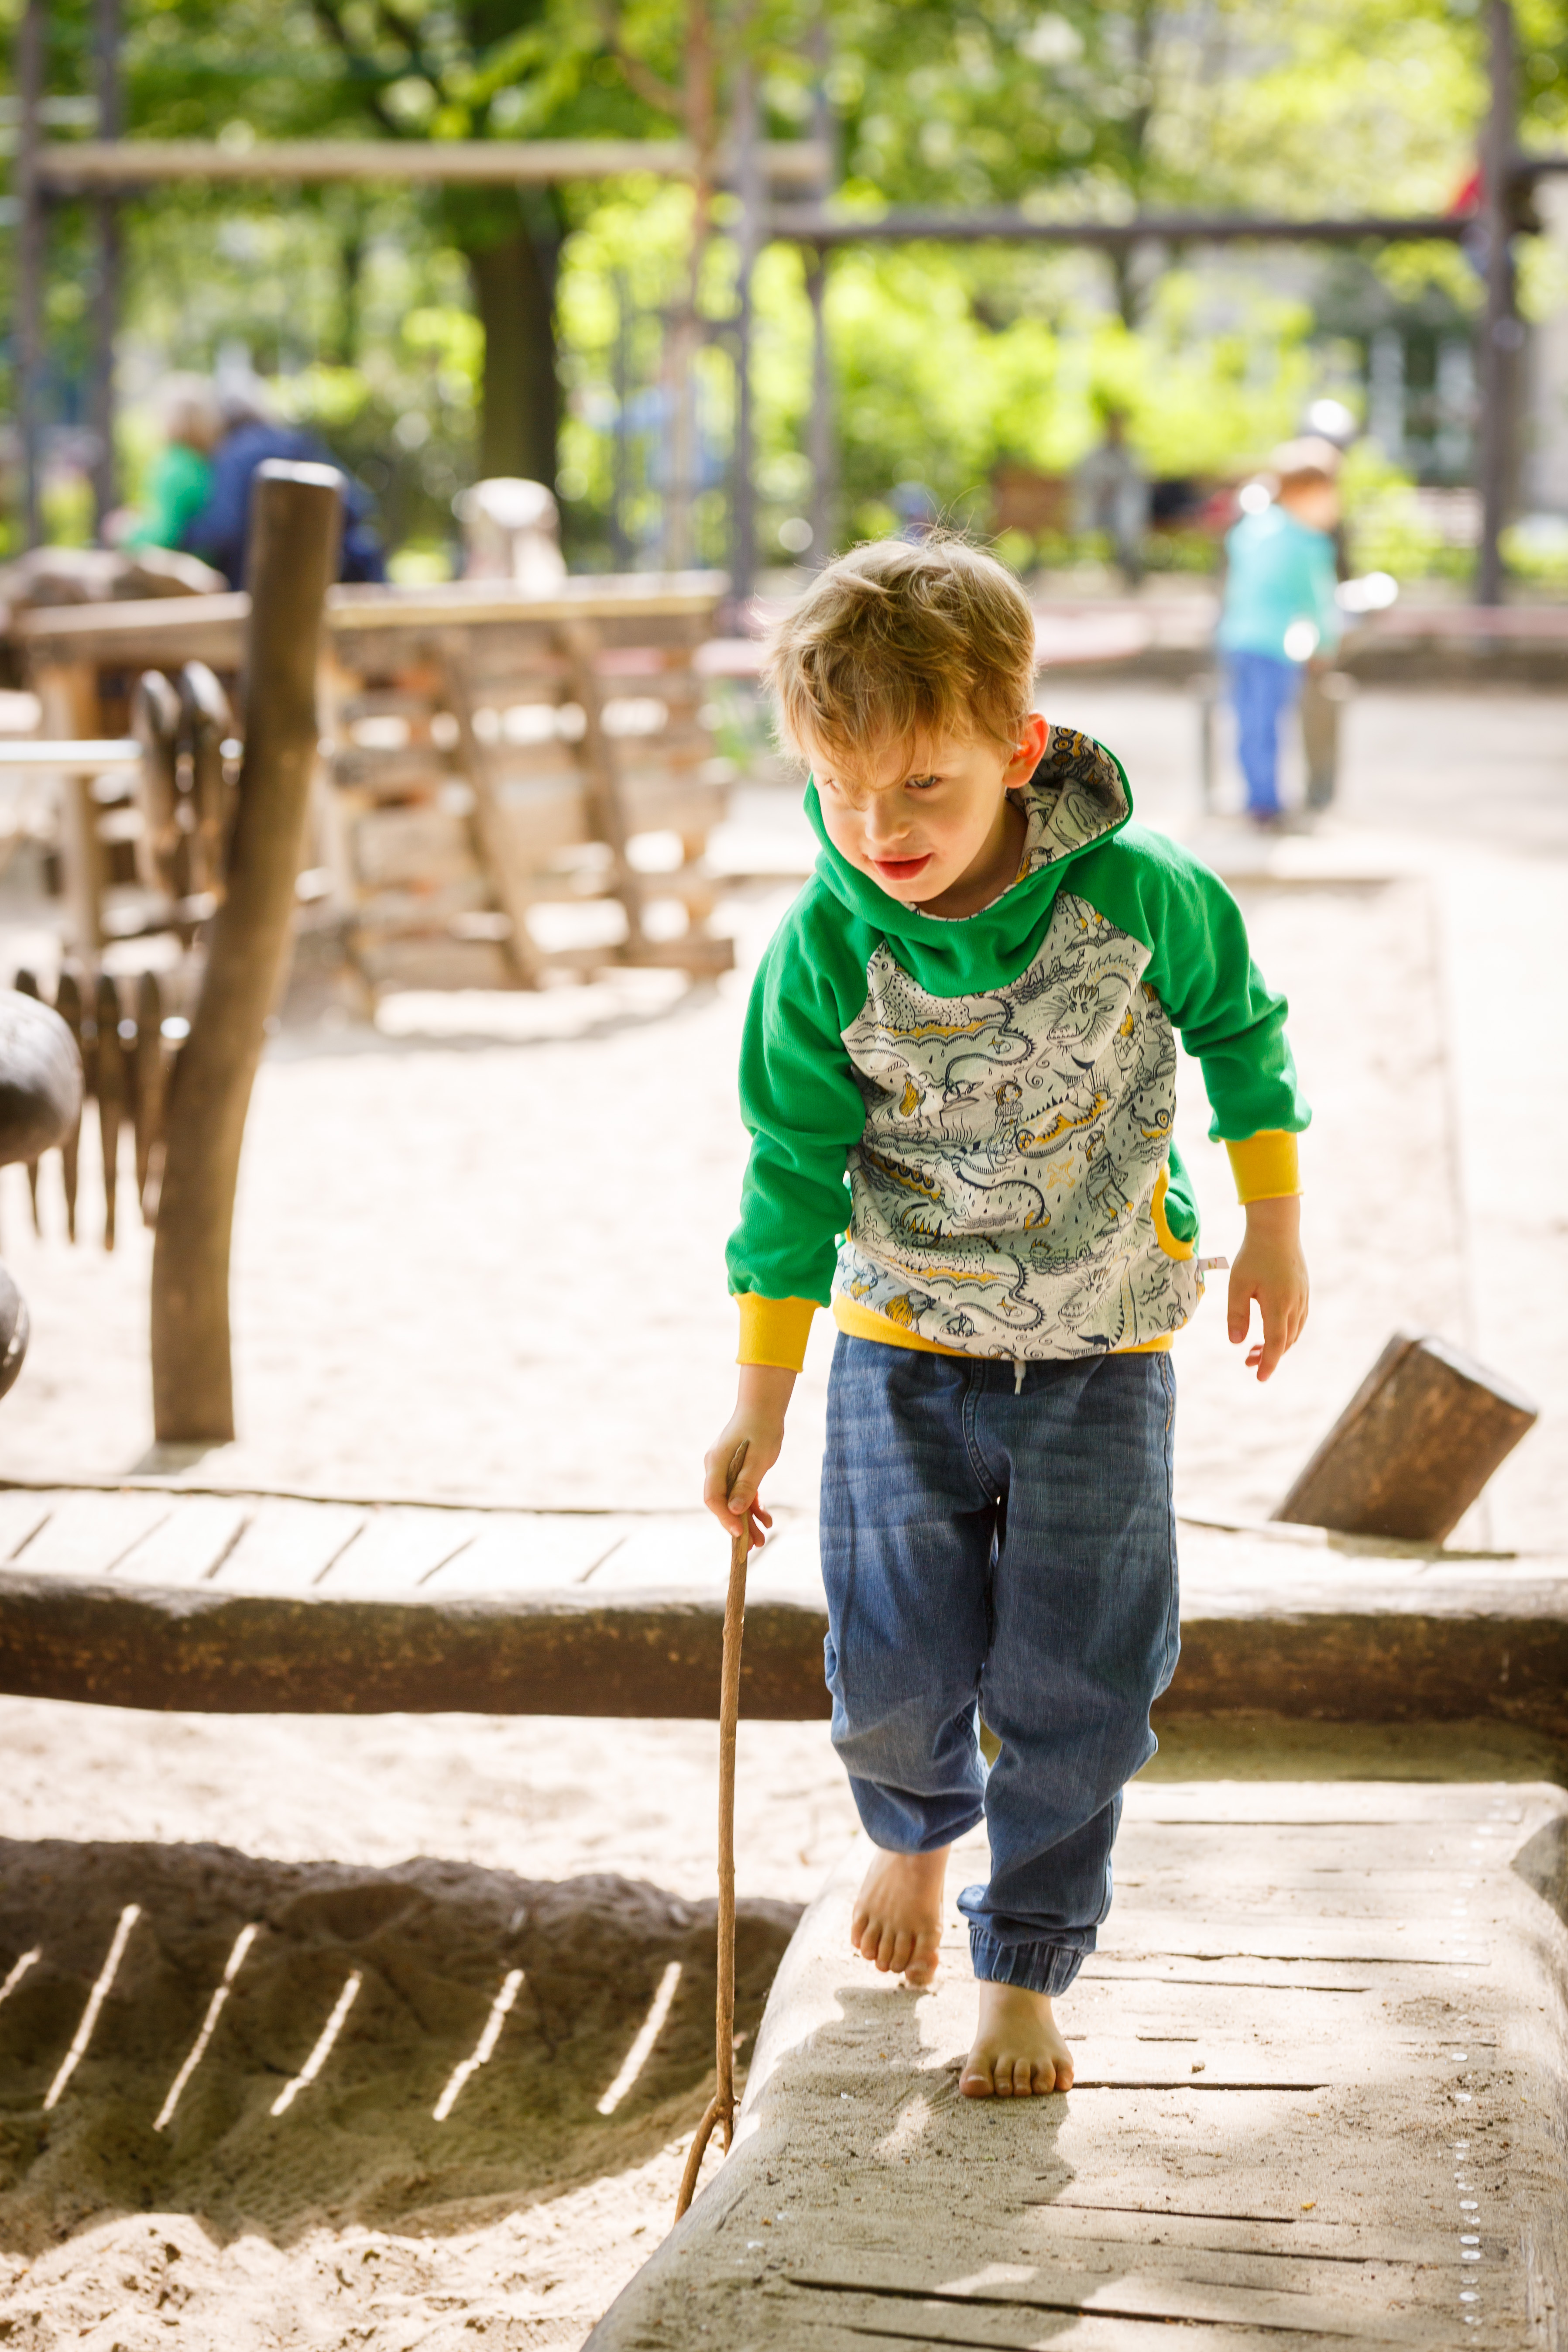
758,1422
1269,1267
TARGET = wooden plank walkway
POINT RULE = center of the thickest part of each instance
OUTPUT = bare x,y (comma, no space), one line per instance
1321,2056
157,1596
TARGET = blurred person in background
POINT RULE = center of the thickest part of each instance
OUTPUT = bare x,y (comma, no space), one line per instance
1113,496
1280,611
1323,688
252,433
179,480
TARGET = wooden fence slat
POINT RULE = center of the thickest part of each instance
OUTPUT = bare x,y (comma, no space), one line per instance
397,1549
528,1554
662,1555
90,1534
185,1547
22,1514
289,1545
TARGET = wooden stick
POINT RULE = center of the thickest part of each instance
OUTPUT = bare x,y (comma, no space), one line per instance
721,2107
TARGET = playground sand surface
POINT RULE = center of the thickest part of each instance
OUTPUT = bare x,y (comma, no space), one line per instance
477,1255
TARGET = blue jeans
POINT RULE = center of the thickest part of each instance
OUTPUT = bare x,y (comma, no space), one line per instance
1008,1552
1263,687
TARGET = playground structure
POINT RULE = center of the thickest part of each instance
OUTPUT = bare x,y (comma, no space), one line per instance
105,171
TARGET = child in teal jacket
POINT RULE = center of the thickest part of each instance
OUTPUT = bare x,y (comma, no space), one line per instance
1280,610
959,1075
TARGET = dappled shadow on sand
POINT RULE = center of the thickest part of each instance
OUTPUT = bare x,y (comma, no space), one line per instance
520,2008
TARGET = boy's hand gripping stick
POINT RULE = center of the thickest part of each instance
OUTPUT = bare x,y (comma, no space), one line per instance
721,2107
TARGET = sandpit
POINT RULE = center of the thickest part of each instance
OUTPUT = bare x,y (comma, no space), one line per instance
485,2024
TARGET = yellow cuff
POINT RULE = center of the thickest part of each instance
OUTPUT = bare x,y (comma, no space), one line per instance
775,1330
1267,1167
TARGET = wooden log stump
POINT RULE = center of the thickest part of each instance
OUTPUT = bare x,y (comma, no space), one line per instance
296,519
1414,1448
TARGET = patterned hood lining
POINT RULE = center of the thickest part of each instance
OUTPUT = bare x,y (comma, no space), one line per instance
1075,795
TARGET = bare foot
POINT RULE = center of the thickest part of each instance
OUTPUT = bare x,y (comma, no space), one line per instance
896,1920
1018,2050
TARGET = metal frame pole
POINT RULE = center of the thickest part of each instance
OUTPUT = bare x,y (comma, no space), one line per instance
1501,332
749,180
820,442
30,260
108,31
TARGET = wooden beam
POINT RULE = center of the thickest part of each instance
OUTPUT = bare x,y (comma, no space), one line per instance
814,225
79,166
1414,1448
296,519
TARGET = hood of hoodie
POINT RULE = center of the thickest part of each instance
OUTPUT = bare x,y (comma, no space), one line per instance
1077,797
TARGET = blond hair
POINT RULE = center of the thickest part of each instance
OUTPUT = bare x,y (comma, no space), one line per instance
1296,464
898,641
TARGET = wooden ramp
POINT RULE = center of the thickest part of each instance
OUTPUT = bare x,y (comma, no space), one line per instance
157,1596
1320,2101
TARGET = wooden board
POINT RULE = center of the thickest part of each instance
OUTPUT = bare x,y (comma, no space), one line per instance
148,1597
1336,2126
1414,1446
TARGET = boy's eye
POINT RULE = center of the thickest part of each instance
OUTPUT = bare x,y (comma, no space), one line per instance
919,784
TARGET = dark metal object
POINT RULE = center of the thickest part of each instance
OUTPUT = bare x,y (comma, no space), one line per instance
1414,1448
14,1331
40,1077
296,516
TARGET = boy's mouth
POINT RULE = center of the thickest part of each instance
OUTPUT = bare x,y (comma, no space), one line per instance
900,869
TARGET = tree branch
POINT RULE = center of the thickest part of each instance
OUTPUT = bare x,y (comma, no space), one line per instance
328,16
650,87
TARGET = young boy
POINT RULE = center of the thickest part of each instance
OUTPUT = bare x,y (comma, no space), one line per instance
1280,611
959,1075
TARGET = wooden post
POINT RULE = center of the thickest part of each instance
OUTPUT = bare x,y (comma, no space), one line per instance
295,524
1414,1448
1502,335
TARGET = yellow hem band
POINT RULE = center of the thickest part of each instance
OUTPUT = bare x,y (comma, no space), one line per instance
865,1323
1266,1167
775,1330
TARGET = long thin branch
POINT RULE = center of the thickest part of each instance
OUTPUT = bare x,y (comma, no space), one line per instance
326,15
650,87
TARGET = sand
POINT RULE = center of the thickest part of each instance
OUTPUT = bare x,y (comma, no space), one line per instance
478,1254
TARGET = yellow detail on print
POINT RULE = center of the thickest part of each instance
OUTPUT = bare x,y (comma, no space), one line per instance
909,1100
1169,1241
909,1178
1044,1139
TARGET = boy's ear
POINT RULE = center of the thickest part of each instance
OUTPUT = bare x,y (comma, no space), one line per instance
1032,739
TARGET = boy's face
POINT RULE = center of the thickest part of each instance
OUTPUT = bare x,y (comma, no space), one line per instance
1317,504
922,818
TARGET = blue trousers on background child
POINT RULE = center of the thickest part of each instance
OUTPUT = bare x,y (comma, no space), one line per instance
1000,1546
1263,688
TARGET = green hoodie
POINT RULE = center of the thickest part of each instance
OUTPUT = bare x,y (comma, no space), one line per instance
962,1129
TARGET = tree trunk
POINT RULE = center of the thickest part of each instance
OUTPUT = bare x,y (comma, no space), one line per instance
515,293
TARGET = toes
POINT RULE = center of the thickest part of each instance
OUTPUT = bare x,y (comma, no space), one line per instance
903,1951
1064,2073
975,2082
1023,2078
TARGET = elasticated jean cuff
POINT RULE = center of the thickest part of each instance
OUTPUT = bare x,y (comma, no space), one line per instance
1037,1968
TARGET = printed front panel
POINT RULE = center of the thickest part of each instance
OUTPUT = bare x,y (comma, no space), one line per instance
1003,1185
